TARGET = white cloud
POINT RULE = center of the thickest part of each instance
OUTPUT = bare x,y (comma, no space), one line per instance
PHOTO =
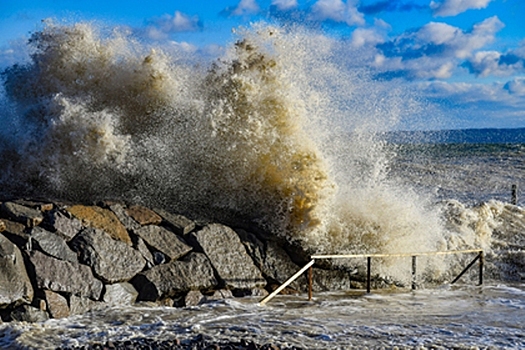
338,11
516,86
362,37
246,7
454,7
285,5
159,28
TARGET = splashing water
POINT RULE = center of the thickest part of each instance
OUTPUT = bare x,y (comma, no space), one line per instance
277,133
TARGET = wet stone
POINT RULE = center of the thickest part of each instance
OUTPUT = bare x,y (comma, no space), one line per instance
64,276
102,219
15,286
52,244
180,224
19,213
111,260
56,304
63,224
164,241
229,258
143,215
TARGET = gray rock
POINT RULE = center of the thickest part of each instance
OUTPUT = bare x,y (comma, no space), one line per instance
19,213
64,224
28,313
124,217
145,252
229,258
15,232
56,304
15,286
80,305
64,276
219,295
194,272
194,298
112,261
278,266
330,280
164,241
181,225
51,244
120,294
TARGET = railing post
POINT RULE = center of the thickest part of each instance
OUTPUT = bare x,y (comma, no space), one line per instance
414,272
368,263
310,273
481,262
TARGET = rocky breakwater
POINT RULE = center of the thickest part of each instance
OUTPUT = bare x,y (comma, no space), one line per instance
58,260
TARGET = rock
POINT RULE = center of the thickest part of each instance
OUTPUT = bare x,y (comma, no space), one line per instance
120,294
68,227
228,256
80,305
64,276
19,213
15,286
28,313
164,241
194,272
219,295
330,280
181,225
52,245
124,217
144,251
56,304
2,226
42,206
194,298
103,219
112,261
143,216
15,232
278,266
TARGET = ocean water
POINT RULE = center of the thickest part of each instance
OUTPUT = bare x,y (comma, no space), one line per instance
279,133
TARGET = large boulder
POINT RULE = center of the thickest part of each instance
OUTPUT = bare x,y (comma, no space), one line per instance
180,224
51,244
164,241
56,304
124,217
120,294
15,232
19,213
112,261
273,261
143,215
15,286
194,272
228,256
64,276
102,219
64,224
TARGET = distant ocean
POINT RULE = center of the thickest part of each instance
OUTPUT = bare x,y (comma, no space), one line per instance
472,165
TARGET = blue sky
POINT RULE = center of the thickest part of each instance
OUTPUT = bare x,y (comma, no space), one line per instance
467,56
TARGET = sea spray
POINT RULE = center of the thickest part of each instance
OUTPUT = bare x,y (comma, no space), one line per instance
278,132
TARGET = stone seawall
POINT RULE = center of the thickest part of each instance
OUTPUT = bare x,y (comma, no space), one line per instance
58,260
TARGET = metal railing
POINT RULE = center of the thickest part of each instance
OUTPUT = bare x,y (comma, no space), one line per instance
479,257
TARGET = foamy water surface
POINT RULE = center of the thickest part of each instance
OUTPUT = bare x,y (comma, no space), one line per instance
465,317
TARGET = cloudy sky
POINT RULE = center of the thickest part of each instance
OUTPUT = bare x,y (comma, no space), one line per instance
467,56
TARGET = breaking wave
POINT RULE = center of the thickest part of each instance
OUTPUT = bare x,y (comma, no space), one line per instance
277,132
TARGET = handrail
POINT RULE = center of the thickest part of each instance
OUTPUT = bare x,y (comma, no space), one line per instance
479,256
285,284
